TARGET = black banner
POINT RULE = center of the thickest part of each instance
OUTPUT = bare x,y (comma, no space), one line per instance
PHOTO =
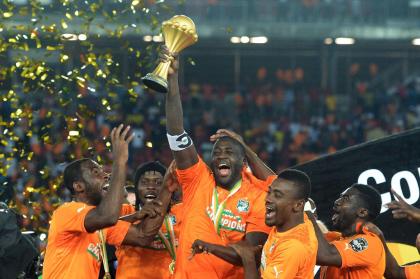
392,161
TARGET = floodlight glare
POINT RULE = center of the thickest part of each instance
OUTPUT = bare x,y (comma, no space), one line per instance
244,39
147,38
82,37
328,41
416,42
344,41
158,39
235,40
69,37
259,40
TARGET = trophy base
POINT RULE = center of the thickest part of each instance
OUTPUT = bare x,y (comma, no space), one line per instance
156,83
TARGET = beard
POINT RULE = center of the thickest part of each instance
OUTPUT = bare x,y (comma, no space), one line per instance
94,197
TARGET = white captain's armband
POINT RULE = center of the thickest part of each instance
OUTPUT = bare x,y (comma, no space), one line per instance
179,142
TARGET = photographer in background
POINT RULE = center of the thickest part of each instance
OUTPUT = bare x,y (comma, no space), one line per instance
18,253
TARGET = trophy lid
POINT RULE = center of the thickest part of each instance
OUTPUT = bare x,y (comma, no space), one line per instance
184,23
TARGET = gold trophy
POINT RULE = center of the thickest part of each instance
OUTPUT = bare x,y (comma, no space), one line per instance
179,32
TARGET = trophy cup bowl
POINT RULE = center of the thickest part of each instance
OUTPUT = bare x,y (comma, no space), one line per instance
179,32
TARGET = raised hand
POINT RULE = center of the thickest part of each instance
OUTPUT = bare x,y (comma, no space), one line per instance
401,209
151,209
165,55
120,140
226,133
169,180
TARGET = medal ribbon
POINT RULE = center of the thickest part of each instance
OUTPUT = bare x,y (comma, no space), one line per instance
218,208
169,241
102,240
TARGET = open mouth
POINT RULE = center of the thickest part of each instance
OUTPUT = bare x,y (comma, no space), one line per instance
150,196
224,169
105,187
270,211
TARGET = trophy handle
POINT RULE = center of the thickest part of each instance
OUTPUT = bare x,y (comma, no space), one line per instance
158,79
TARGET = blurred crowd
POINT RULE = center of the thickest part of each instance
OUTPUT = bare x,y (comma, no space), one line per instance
285,121
302,11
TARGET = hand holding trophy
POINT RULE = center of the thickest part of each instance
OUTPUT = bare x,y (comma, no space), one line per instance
179,32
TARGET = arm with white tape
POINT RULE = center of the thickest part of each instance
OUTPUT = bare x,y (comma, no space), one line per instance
180,143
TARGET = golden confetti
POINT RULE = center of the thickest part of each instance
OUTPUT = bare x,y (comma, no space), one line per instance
49,109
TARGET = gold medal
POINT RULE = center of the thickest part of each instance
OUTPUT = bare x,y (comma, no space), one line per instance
172,267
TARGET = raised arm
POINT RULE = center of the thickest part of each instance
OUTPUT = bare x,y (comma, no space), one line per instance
328,254
154,213
258,167
185,153
107,212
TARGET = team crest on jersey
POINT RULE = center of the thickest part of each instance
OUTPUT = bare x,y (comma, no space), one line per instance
173,219
359,244
243,205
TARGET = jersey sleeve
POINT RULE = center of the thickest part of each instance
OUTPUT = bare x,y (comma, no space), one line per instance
256,219
363,251
412,271
116,234
71,217
286,262
127,209
192,177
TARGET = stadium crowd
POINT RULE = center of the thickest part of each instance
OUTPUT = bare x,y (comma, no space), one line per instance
284,121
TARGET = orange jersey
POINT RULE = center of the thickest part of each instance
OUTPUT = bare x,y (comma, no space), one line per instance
290,254
244,212
71,251
362,257
150,262
412,271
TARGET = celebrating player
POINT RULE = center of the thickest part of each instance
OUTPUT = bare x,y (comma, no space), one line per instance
221,204
74,245
355,252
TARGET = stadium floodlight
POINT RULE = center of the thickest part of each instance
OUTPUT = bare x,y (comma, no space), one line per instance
328,41
344,41
416,42
259,40
235,40
69,37
244,39
158,38
73,133
147,38
82,37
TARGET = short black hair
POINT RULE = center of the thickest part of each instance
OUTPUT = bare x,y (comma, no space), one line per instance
370,199
73,173
301,180
235,142
148,166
